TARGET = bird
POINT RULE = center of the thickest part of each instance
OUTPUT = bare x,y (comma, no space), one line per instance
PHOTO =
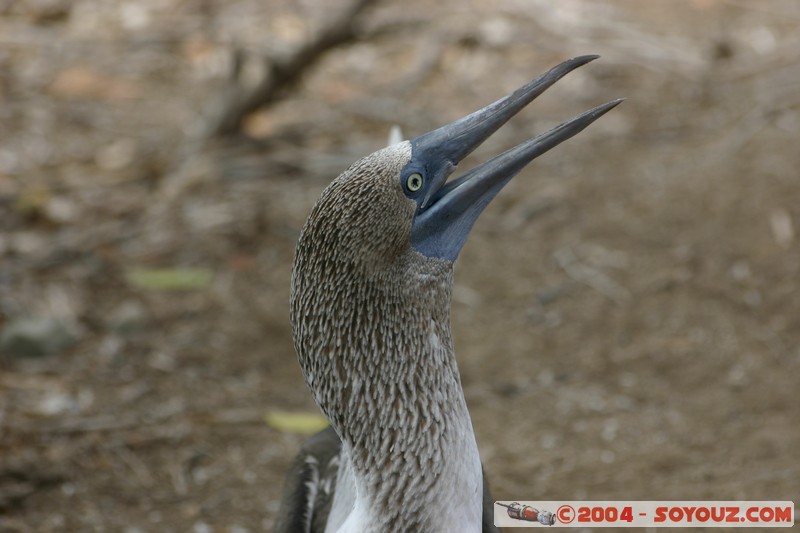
370,312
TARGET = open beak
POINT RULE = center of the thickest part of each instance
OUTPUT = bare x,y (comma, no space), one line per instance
447,211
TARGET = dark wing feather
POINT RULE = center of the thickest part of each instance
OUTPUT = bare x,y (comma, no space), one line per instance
308,492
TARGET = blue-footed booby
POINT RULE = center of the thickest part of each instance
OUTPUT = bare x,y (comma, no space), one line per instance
370,313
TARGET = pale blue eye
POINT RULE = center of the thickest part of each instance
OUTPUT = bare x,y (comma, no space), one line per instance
414,182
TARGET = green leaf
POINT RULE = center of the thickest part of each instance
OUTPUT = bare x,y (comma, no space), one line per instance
169,279
304,423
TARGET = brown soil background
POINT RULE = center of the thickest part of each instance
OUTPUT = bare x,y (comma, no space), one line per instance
626,316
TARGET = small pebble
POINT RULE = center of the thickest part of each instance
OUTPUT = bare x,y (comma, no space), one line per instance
36,337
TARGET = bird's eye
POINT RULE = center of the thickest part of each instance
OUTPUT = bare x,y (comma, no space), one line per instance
414,182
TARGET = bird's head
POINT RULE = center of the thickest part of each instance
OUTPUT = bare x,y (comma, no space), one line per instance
398,201
373,270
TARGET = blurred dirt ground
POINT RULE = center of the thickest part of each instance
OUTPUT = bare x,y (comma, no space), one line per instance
627,316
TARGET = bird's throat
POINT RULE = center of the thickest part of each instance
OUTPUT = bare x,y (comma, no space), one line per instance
416,466
419,484
379,360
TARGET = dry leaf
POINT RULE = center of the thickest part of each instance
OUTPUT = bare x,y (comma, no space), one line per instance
304,423
84,83
169,279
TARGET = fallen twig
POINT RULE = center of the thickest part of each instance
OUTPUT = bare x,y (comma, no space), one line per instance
282,74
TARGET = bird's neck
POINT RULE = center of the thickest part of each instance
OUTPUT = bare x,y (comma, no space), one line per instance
385,374
416,465
420,481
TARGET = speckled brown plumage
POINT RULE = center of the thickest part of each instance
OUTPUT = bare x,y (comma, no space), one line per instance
371,325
